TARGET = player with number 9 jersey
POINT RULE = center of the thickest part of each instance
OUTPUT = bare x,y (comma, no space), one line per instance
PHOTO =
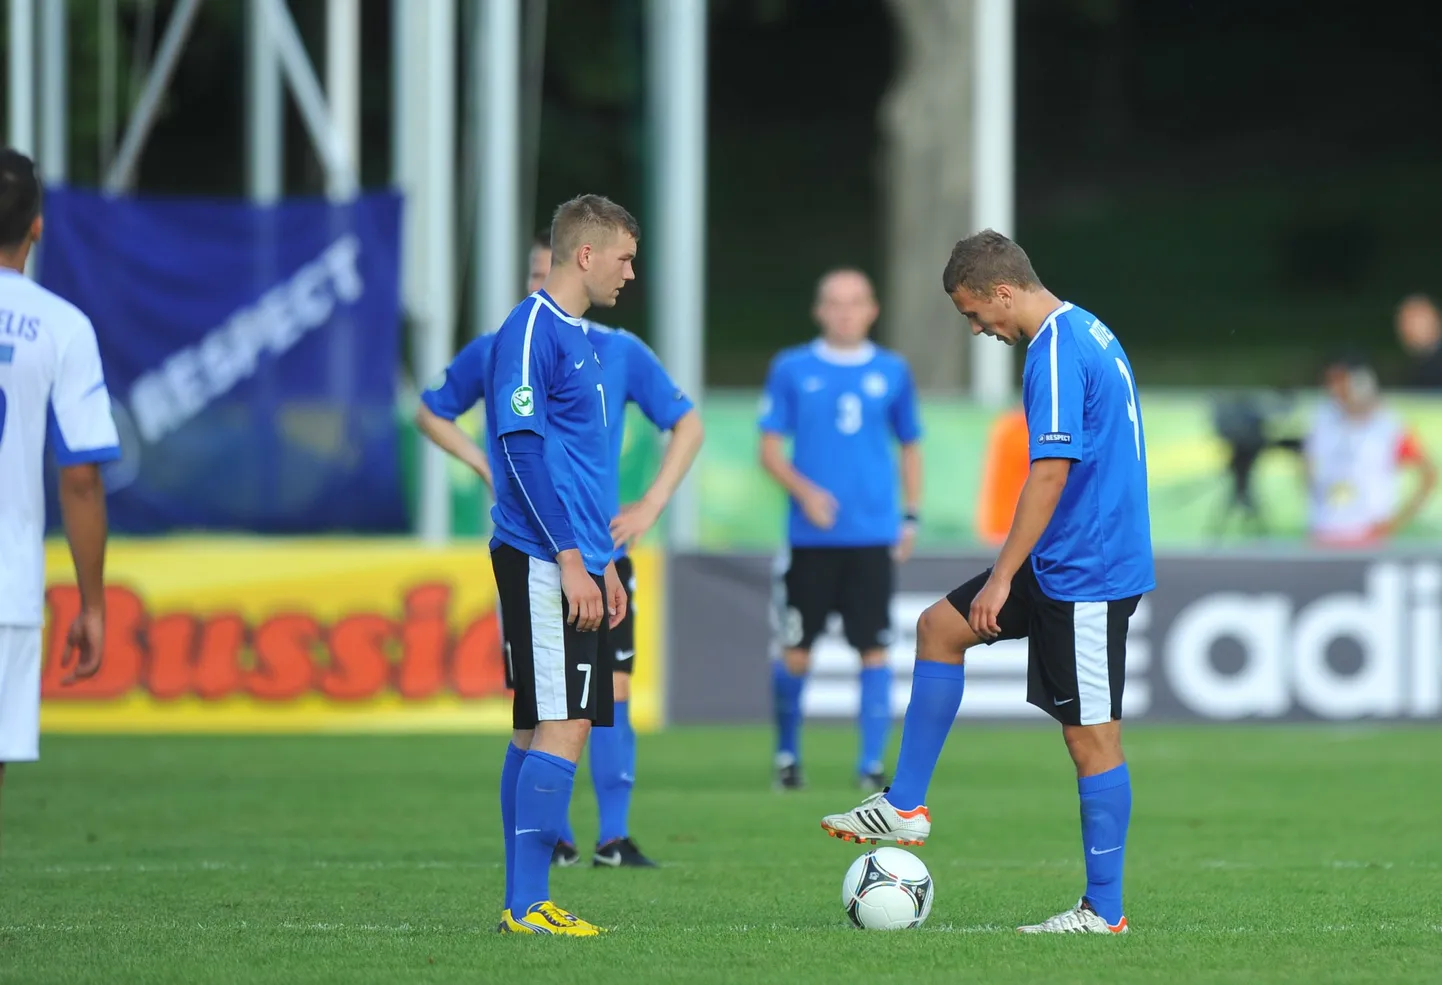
1068,579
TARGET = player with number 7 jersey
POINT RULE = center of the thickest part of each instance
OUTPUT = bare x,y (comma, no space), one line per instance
1068,579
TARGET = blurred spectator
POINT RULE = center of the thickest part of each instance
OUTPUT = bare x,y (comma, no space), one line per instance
1419,329
1008,462
1356,454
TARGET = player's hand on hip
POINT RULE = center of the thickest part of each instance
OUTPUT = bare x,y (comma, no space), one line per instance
84,646
986,608
901,553
633,521
583,596
615,596
819,507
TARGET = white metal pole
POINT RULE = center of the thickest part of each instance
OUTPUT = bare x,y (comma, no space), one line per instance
676,43
20,81
993,175
343,83
54,92
431,197
310,99
498,103
172,43
264,110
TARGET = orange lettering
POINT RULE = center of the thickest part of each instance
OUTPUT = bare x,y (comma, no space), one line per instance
480,669
423,641
172,643
283,647
217,664
358,665
120,669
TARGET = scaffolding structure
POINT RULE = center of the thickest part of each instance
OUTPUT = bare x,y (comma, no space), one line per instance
426,35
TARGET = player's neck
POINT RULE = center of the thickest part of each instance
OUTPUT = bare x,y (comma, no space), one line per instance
568,292
1033,311
15,259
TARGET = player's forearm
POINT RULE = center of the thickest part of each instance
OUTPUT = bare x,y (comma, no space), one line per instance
1034,509
911,478
82,505
526,463
680,454
773,460
448,436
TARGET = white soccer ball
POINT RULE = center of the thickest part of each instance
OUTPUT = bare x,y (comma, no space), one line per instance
887,889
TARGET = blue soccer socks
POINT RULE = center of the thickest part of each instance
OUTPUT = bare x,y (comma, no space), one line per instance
875,719
543,798
613,753
786,690
510,774
1106,808
936,690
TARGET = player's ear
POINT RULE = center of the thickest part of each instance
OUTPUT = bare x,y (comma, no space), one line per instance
583,256
37,228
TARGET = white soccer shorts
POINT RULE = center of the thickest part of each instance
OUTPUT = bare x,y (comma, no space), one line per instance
19,694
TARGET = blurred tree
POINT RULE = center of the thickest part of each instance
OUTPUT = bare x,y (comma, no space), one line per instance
926,118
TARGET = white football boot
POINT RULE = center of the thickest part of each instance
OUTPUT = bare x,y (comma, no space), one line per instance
1080,919
877,820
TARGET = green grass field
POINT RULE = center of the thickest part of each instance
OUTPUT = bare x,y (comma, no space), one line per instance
1266,854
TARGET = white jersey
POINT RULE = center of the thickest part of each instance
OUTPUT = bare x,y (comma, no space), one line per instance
1355,471
50,383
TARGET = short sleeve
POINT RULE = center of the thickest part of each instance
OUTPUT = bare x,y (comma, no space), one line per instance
81,428
778,401
464,382
651,387
523,363
1054,389
905,414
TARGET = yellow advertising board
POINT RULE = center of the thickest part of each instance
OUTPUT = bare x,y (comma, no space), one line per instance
315,635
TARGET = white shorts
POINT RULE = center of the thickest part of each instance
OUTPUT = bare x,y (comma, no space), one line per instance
19,694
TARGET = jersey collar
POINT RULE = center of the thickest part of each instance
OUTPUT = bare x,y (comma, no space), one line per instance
547,300
1050,322
859,356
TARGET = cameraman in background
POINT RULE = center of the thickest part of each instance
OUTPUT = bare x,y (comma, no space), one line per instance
1356,454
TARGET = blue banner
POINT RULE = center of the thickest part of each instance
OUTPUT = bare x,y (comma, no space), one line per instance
251,353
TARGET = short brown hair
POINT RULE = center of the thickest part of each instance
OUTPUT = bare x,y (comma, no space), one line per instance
982,261
588,217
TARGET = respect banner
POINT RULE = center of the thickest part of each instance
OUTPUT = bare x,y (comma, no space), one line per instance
236,635
251,354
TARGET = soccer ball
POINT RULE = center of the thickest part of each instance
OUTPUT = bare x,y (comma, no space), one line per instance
887,889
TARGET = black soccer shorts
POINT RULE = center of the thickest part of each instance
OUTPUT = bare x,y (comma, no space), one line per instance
557,673
622,639
1076,651
854,582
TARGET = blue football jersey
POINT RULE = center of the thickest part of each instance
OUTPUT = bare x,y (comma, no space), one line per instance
630,372
1081,404
844,410
546,378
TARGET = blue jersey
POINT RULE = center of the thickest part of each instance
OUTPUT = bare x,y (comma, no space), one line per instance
544,377
844,410
630,372
1081,404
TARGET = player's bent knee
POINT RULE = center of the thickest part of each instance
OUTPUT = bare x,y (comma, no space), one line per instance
943,635
875,657
621,685
1094,748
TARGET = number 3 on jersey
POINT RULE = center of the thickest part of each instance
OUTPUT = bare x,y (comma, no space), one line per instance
848,413
1132,408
